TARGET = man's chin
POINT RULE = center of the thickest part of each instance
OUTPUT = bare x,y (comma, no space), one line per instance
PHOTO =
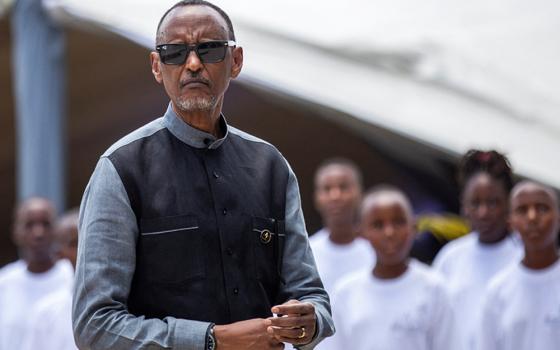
196,104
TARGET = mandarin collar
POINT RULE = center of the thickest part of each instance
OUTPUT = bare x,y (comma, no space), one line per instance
192,136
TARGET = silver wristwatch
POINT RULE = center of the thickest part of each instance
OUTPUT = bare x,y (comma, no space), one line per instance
211,339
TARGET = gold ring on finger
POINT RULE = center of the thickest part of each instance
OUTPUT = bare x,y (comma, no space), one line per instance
302,333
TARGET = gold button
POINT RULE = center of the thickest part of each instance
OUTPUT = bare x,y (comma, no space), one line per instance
266,236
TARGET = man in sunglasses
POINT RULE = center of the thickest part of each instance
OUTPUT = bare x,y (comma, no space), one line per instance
191,231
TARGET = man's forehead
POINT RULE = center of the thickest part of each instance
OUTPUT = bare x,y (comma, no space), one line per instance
386,200
37,205
194,17
528,188
335,170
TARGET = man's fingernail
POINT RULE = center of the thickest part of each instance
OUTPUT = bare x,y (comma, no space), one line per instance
275,310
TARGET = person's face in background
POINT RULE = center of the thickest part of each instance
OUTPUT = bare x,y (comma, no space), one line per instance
535,215
67,238
485,206
195,85
33,230
387,224
337,195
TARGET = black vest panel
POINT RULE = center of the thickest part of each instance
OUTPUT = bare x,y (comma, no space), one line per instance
211,227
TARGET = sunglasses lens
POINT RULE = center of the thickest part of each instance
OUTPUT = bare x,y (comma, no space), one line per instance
173,54
211,52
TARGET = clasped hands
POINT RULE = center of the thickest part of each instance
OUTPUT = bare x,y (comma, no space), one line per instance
295,324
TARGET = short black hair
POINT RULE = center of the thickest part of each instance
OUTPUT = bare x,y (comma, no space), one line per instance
493,163
224,15
384,188
343,162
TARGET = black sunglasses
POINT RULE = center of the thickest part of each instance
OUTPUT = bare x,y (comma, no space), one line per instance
207,52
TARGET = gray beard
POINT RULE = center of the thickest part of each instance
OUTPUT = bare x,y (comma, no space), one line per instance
194,104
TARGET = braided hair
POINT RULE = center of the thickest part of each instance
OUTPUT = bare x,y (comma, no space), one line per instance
493,163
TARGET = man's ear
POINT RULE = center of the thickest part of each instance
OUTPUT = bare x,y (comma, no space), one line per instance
237,64
156,66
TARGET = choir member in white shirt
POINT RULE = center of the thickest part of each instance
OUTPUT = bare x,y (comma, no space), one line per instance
397,304
22,289
522,306
50,324
338,249
468,263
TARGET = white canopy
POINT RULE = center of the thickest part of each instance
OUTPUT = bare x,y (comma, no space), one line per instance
454,74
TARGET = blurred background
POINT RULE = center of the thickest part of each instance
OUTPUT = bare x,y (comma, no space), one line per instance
401,87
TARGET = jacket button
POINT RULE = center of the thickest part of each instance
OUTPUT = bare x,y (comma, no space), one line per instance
224,211
235,291
229,252
215,175
266,236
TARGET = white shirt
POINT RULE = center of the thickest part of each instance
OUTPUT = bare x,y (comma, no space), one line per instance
521,310
50,324
337,260
408,312
12,267
467,266
20,292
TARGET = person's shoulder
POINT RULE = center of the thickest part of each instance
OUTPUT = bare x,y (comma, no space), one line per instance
460,244
257,148
142,132
249,137
452,249
318,238
427,274
13,274
498,292
352,281
503,280
12,268
63,268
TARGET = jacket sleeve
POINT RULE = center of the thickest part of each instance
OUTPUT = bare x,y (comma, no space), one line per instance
302,281
106,262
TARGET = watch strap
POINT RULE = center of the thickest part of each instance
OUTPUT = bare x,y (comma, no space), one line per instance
210,338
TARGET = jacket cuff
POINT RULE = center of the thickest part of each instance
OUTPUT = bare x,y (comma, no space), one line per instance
190,334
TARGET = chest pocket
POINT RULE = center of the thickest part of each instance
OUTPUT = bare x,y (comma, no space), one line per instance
268,237
170,249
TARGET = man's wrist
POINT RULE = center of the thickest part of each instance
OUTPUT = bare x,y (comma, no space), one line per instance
211,343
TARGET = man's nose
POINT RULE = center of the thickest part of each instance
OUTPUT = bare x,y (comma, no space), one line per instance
482,210
335,193
193,62
532,213
389,231
38,231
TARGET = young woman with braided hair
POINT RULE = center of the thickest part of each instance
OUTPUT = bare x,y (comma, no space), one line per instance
468,263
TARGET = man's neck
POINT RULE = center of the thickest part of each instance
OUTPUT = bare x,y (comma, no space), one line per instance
383,271
207,121
342,234
40,266
540,259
